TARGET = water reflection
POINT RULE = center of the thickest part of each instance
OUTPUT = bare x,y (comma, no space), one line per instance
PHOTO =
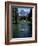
25,30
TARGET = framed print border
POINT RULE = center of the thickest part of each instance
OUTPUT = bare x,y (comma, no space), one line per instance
7,22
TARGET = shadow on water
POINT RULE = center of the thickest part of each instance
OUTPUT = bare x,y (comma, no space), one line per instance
23,30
